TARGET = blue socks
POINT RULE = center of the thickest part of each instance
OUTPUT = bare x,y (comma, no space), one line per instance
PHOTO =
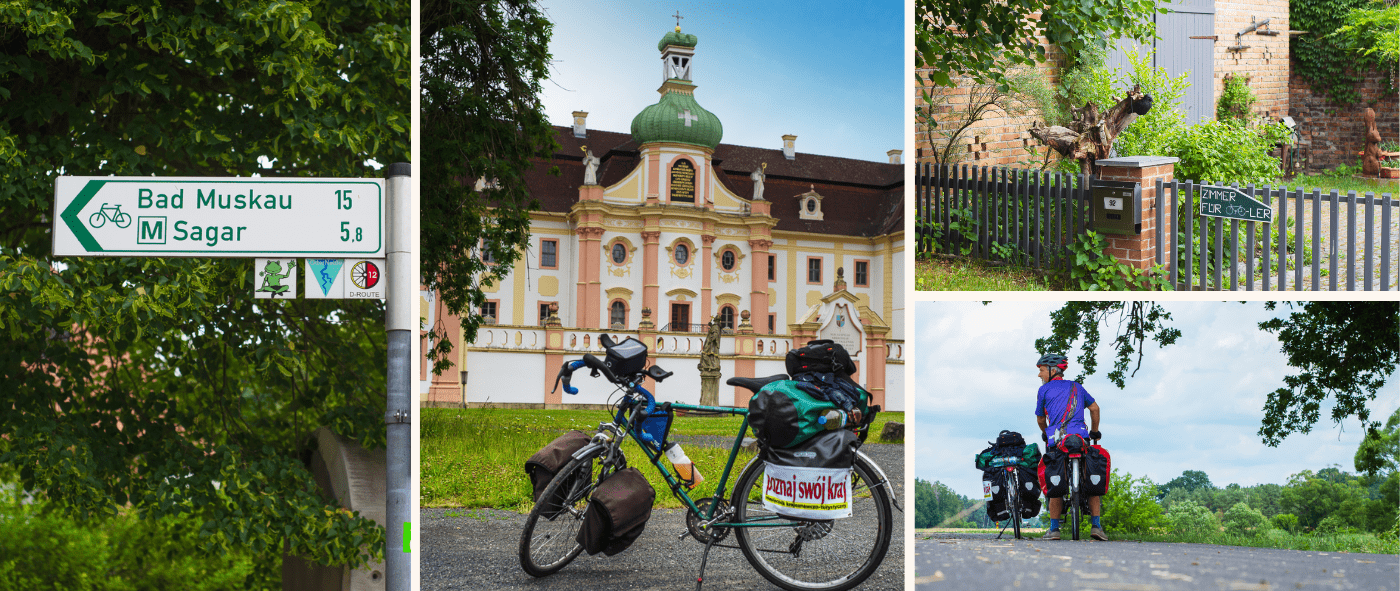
1054,524
1094,520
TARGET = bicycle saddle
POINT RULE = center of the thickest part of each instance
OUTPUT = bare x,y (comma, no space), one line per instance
755,384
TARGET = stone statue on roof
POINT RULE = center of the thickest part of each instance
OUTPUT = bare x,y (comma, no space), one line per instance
590,167
757,177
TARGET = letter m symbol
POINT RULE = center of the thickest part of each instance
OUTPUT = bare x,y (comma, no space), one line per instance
150,230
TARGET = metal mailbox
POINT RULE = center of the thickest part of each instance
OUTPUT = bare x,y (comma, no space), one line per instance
1117,207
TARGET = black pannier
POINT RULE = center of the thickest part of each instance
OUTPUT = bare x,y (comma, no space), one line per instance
1029,495
1053,473
626,358
617,513
547,462
994,491
830,449
820,356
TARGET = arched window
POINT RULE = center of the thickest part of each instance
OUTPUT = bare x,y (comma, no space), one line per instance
726,317
618,315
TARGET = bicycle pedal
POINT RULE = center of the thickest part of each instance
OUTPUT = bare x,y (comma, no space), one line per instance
683,534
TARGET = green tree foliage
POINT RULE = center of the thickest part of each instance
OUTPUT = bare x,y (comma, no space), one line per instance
1285,521
935,503
1343,350
984,39
1373,32
1131,504
1236,99
1243,520
1138,322
1326,60
1379,452
1189,518
1190,480
482,67
1313,498
157,383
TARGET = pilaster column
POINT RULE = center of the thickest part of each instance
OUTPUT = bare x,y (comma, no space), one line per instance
651,286
707,268
875,354
758,290
743,357
553,355
646,332
590,248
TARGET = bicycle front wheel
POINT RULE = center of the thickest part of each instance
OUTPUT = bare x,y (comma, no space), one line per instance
827,555
549,541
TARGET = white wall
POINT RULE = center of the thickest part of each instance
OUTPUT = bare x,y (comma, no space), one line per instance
487,383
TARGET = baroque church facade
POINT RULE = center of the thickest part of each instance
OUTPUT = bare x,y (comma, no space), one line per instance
653,233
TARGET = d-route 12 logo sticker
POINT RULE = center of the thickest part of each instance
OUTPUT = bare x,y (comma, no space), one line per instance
364,275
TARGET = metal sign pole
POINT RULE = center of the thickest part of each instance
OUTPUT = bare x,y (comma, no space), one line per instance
399,323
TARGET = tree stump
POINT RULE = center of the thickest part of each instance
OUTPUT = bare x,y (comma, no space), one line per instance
1090,135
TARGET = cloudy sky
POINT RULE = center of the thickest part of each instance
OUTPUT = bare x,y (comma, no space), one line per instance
1195,405
831,73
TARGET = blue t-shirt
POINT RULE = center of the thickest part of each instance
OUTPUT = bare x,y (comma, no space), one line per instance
1051,402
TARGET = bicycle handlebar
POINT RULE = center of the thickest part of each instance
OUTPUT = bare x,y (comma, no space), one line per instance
566,373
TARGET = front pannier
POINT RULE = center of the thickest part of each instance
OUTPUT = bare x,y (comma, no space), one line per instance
811,480
617,513
1097,471
547,462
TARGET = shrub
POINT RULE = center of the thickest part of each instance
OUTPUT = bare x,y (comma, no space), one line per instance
1187,517
1286,522
1236,99
1241,519
1131,504
1228,151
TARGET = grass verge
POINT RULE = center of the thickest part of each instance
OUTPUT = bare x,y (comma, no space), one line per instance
1364,543
949,273
476,457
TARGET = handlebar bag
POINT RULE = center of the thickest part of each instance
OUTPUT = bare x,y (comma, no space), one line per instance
617,513
811,480
1053,473
1097,471
820,356
626,358
548,461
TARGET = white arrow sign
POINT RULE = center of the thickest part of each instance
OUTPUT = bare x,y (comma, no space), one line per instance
219,217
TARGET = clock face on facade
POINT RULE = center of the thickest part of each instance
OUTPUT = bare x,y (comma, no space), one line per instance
682,254
726,260
619,253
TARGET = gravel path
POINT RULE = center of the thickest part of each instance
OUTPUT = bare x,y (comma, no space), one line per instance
477,549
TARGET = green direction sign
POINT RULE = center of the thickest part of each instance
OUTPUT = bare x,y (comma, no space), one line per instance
1227,202
219,217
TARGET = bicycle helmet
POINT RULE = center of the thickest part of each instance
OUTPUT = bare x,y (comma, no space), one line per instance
1053,359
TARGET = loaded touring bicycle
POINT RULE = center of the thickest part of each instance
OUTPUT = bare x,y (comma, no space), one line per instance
589,497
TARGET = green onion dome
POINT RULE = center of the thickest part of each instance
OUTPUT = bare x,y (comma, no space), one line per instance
677,118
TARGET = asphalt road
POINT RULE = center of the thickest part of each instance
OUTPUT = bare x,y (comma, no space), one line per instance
966,561
477,549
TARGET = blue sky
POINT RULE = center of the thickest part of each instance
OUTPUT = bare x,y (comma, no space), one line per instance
831,73
1195,405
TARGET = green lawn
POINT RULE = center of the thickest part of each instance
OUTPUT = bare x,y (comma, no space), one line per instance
1366,543
1343,184
949,273
476,457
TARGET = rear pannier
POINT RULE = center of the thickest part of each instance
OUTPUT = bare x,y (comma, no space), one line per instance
618,512
1097,470
783,414
811,480
1053,473
547,462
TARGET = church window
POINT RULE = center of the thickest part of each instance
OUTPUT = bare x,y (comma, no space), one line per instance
618,315
726,317
488,312
772,324
549,254
862,273
486,256
619,253
772,267
682,254
814,270
726,260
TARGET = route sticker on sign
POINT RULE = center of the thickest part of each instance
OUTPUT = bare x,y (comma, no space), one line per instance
275,279
809,493
364,279
325,279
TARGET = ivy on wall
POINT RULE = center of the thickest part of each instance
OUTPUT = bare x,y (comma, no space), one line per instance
1321,58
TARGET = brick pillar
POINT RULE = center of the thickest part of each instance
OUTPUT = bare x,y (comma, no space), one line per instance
743,357
1140,250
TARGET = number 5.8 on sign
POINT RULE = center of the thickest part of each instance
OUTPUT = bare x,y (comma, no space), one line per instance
345,233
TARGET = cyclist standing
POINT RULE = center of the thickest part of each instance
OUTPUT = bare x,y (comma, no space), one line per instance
1051,404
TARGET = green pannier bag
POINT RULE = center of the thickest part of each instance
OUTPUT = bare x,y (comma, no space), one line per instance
1029,456
783,415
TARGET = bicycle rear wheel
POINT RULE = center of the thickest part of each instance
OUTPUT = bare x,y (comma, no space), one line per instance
1013,501
1073,500
548,542
829,555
